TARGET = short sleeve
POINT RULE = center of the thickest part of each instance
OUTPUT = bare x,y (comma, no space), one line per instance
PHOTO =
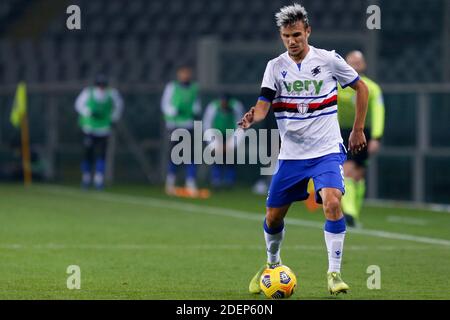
342,71
269,79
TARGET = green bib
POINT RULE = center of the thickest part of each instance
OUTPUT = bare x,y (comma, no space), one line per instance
224,119
183,100
100,113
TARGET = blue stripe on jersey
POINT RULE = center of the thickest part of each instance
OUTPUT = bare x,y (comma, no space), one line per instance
309,97
306,118
350,83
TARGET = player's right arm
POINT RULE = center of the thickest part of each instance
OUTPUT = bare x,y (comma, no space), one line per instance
268,93
166,101
255,114
81,103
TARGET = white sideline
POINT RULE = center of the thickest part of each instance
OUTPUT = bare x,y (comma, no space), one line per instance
195,247
194,208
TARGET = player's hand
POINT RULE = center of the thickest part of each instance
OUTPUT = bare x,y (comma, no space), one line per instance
357,141
248,119
374,146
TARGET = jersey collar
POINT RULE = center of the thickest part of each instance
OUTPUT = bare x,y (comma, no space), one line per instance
299,65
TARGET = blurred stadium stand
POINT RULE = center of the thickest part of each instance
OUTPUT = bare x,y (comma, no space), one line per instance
139,44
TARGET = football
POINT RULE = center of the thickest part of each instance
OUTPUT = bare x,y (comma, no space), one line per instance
278,283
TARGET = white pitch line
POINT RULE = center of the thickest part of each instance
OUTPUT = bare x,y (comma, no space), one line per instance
194,208
195,247
406,220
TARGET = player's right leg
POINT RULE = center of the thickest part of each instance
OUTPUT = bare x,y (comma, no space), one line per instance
191,171
171,169
86,164
273,235
171,178
288,184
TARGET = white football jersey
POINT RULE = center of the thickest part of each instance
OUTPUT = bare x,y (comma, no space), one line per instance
305,103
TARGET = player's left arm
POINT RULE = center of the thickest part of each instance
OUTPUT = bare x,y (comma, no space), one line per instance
347,76
118,105
357,140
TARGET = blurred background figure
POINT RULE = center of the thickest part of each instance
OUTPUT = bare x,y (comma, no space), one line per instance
222,114
180,105
355,166
136,42
99,107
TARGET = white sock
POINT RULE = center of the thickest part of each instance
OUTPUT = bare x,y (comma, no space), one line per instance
190,183
170,180
86,178
335,247
98,179
273,246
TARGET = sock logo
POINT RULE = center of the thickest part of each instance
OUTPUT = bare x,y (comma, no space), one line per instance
336,249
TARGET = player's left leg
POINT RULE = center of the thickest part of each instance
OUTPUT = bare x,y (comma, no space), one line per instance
216,175
349,200
355,188
328,179
360,186
100,144
334,232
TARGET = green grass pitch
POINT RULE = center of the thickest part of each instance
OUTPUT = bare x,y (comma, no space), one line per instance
133,242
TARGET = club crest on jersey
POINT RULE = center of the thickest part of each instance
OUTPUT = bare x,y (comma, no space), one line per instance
302,108
315,71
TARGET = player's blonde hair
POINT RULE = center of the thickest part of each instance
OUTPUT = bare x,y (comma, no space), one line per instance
289,15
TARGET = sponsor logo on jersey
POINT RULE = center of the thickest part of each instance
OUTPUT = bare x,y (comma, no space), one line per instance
300,85
284,73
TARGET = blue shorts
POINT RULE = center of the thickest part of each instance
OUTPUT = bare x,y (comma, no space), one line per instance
290,182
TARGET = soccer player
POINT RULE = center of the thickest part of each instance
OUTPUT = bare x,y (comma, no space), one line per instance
355,166
223,114
301,86
99,107
180,105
